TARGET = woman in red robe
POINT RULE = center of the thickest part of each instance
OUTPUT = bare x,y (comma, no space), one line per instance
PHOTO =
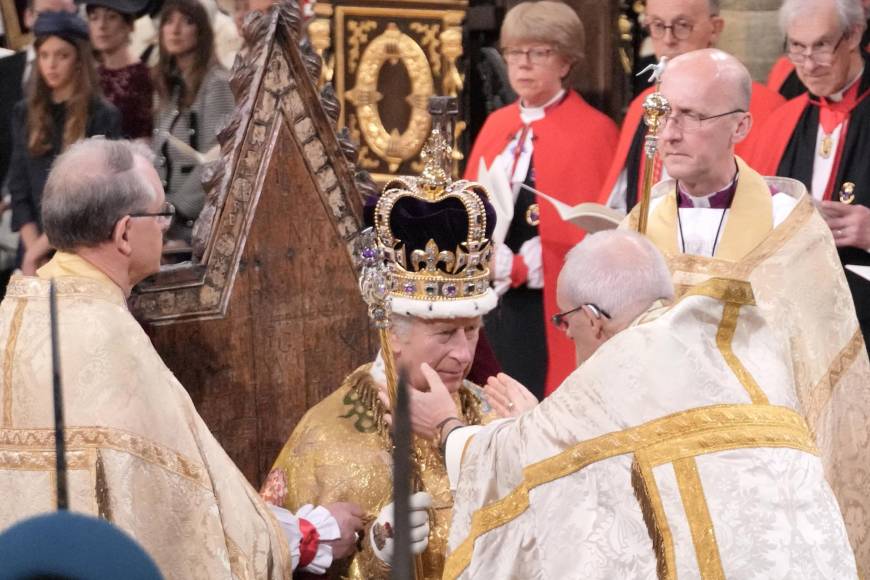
553,141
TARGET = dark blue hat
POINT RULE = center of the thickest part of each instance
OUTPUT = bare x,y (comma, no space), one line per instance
66,25
68,545
135,8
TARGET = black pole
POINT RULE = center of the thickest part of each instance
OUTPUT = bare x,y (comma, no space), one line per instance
59,444
401,482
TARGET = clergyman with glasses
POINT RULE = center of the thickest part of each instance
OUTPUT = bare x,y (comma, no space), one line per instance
823,138
675,27
718,216
138,453
553,141
651,460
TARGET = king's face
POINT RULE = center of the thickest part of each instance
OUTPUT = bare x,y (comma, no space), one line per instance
447,345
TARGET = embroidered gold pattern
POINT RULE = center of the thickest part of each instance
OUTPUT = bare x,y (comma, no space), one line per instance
14,330
36,447
821,393
700,523
685,434
724,336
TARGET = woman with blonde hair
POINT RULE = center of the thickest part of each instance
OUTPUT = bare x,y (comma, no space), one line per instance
63,105
553,141
193,98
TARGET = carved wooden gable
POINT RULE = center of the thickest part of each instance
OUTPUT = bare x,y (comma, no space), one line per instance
266,319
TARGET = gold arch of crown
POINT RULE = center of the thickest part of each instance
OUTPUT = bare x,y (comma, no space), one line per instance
435,273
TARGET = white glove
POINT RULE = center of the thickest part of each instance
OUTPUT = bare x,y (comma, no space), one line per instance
502,264
382,531
531,253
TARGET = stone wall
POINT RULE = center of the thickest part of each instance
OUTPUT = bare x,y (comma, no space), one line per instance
752,34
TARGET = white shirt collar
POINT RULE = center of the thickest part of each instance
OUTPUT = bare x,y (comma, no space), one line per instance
532,114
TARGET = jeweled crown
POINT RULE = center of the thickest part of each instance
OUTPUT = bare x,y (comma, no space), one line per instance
434,233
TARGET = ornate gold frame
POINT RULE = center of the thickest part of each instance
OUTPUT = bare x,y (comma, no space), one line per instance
419,61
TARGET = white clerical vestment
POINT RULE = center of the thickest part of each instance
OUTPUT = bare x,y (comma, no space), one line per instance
138,453
676,451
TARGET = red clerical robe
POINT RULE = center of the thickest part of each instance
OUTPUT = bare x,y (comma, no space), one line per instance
789,150
629,152
573,147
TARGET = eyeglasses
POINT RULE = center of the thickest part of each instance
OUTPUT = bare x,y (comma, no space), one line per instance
164,216
536,56
821,53
559,321
681,29
691,122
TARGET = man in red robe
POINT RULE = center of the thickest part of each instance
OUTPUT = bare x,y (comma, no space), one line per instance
784,79
822,137
676,27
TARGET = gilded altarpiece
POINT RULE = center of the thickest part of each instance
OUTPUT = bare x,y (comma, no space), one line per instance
386,58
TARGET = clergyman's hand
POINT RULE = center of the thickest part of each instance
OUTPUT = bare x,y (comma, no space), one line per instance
428,411
508,396
850,224
349,518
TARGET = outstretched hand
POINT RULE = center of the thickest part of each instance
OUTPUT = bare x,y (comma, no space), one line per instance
427,410
508,396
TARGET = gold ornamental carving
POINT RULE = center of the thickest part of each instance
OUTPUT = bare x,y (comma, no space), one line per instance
394,47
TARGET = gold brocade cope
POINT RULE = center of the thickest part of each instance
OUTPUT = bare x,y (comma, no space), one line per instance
654,459
138,453
669,439
341,451
801,289
750,218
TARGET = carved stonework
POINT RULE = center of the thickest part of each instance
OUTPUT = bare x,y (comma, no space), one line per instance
269,92
386,58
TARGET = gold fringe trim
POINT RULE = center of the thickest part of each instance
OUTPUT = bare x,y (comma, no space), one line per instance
646,491
101,490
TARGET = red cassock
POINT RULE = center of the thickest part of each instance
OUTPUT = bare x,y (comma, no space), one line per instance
573,148
779,73
764,101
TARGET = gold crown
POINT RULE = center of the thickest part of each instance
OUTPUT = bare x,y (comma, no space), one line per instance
432,273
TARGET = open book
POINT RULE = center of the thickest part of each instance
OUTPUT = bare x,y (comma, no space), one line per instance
592,217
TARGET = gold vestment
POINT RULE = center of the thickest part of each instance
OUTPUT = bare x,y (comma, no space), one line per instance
138,453
341,451
801,290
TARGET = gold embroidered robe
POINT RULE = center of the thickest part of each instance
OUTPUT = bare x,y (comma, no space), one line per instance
341,451
138,453
801,289
675,451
